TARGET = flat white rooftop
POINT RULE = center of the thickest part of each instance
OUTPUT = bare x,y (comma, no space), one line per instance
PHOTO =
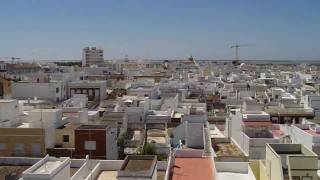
231,176
107,175
47,167
6,100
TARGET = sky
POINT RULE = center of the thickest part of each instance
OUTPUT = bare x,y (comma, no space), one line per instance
161,29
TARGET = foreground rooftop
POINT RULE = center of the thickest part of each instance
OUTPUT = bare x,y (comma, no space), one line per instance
143,166
192,168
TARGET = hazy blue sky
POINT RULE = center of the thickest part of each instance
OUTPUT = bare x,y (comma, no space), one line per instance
59,29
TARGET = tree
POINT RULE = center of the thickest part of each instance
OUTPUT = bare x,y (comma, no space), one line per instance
148,149
69,63
121,144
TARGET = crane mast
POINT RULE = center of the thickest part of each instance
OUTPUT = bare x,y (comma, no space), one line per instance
236,47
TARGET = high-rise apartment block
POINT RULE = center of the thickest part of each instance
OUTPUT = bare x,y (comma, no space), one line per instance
92,56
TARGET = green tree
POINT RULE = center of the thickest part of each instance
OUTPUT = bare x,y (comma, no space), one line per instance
121,144
148,149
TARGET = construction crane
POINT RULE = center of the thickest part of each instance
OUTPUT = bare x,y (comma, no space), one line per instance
10,58
236,47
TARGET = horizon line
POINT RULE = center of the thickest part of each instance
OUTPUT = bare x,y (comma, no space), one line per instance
175,59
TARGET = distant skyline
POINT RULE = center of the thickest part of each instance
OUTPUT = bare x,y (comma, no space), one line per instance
163,29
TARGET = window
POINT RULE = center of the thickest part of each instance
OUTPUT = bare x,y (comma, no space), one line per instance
65,138
295,177
36,149
19,149
2,146
275,120
57,90
90,92
287,119
90,145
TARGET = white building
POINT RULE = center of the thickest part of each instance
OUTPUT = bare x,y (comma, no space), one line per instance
9,111
48,168
47,119
92,56
54,91
313,101
306,134
95,90
251,130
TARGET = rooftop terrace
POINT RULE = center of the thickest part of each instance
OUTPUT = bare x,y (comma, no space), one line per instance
227,149
46,167
291,149
12,170
192,168
258,133
107,175
280,111
142,166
